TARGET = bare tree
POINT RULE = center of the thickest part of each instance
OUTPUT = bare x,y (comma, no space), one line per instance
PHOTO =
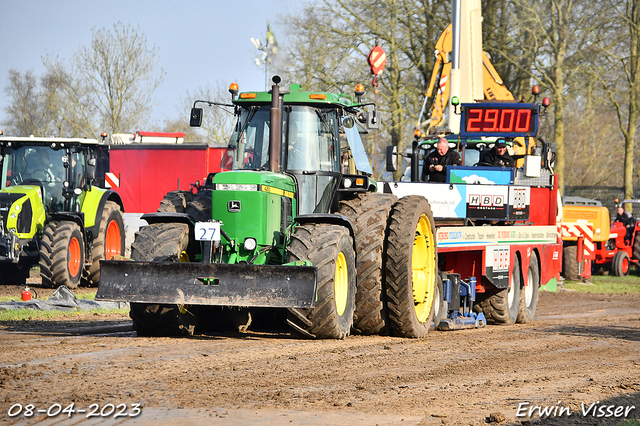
217,121
619,74
25,109
335,37
109,85
551,34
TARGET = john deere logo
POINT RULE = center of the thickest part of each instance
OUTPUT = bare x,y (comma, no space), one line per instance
234,206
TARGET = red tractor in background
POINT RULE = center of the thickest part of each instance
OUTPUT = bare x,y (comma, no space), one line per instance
595,243
623,247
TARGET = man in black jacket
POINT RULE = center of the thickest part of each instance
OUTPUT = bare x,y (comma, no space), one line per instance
435,164
498,156
628,221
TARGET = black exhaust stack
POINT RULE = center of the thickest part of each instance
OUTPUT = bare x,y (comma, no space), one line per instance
274,129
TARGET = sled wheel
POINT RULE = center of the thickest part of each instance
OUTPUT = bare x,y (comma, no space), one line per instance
439,304
529,293
502,307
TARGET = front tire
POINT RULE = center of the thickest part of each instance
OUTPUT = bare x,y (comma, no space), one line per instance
330,249
109,241
162,242
621,264
61,254
411,267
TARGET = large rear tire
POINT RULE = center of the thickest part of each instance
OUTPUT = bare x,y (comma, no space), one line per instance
109,242
330,249
199,208
502,307
175,202
61,254
636,246
411,267
570,263
369,214
162,242
529,293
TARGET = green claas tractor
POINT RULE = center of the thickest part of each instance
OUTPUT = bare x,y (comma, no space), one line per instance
52,215
293,231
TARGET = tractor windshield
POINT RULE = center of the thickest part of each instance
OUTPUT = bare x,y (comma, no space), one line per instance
308,135
40,165
248,147
311,139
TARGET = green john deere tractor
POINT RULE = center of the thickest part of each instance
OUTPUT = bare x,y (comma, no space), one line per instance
52,215
293,224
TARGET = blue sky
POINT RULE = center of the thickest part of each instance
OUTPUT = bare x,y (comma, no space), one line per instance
199,42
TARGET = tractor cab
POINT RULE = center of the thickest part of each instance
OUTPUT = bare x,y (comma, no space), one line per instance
319,141
44,167
40,177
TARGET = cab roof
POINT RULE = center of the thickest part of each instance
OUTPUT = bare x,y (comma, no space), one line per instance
295,95
32,140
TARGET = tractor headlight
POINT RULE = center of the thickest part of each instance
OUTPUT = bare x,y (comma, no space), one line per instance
347,183
250,244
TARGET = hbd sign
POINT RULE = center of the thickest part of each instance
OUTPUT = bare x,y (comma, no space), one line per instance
491,203
486,200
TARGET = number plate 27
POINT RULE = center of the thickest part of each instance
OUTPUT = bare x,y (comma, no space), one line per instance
207,231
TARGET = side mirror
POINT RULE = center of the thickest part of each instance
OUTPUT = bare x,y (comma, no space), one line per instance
392,158
373,119
196,117
91,169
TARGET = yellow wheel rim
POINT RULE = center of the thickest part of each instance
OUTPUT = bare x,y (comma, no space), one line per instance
341,284
184,257
423,268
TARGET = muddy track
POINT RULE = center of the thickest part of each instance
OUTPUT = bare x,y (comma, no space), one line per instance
580,349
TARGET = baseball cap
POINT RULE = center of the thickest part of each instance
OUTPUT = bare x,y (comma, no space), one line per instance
501,143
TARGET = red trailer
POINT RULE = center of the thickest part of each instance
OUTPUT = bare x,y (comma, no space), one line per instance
143,173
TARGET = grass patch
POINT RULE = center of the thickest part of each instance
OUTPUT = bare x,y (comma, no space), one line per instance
606,284
33,314
630,423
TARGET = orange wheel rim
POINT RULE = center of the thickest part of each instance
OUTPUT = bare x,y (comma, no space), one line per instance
113,241
625,265
74,262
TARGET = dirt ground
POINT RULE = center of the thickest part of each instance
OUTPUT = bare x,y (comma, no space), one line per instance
581,349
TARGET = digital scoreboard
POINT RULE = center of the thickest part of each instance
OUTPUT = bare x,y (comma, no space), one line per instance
499,119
